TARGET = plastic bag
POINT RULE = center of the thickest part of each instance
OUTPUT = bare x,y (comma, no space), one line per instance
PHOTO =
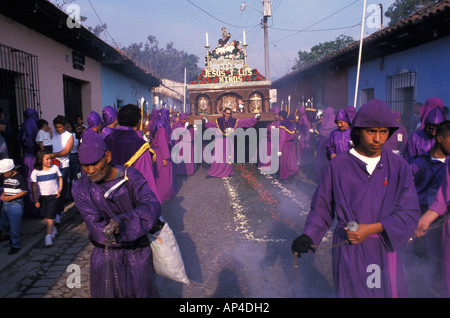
167,259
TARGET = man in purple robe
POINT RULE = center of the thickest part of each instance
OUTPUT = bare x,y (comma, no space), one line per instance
94,124
430,104
339,140
374,188
162,144
119,209
288,156
109,116
185,141
397,142
302,139
429,171
422,140
128,149
328,125
27,135
224,146
265,166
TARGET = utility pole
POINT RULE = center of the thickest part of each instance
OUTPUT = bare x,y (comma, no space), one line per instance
267,12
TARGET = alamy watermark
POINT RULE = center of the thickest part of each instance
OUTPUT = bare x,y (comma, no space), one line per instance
220,148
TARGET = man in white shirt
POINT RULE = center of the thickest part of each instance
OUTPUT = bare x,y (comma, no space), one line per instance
62,143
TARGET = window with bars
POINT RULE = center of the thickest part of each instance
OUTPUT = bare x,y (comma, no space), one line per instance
401,95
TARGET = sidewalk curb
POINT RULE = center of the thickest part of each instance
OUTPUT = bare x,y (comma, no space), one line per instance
32,233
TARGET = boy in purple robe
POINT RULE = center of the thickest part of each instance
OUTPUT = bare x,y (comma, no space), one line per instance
429,171
128,149
226,125
189,167
374,188
339,140
422,140
287,154
119,209
162,144
109,116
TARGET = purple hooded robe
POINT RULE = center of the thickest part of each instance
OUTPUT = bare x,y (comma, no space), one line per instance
273,125
185,168
303,137
134,206
27,135
125,145
288,158
420,141
399,139
225,168
328,125
109,115
162,145
339,140
349,193
429,105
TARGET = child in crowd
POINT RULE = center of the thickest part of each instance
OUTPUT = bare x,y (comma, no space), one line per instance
14,188
44,135
47,184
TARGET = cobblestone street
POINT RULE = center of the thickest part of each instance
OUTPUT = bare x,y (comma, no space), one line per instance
232,246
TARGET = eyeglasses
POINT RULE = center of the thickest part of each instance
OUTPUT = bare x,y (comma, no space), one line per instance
431,129
227,113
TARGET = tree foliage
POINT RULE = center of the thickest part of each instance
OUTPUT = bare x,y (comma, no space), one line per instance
401,9
321,50
165,62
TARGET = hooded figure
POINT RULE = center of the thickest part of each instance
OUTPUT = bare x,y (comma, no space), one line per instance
328,125
27,139
397,143
422,140
119,209
302,140
288,156
109,116
374,188
430,104
265,166
162,144
339,140
185,141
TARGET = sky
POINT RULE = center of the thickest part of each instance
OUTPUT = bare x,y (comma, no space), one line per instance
293,26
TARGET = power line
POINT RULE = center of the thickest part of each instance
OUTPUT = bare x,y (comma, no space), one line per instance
233,25
106,29
302,30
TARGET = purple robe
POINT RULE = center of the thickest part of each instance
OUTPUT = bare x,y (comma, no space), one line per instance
134,206
265,166
302,143
338,142
124,143
328,125
420,141
349,193
288,158
185,168
165,177
225,168
440,206
109,115
27,139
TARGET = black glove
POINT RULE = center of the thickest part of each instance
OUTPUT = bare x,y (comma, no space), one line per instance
302,244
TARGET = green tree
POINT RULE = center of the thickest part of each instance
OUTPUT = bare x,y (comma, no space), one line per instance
165,62
321,50
401,9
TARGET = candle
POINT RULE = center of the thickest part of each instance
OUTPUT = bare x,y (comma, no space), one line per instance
207,39
245,42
